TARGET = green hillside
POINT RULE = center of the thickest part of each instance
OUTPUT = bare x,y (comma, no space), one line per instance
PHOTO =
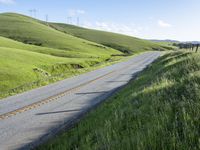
126,44
33,53
31,31
18,67
9,43
21,70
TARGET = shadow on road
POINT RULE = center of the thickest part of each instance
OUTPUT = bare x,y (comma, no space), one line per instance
102,92
57,112
67,124
118,81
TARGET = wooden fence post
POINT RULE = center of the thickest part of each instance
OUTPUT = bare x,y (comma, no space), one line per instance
197,48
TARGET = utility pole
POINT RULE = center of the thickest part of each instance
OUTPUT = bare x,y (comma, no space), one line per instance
78,21
31,12
34,11
47,19
69,20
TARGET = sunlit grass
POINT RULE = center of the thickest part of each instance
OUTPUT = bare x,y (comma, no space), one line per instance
159,110
22,70
33,54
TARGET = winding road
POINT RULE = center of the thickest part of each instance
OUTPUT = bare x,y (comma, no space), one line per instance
30,118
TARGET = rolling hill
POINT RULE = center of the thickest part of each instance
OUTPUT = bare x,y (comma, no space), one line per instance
30,31
24,66
33,53
9,43
123,43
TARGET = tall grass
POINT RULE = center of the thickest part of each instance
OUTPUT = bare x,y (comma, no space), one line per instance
159,110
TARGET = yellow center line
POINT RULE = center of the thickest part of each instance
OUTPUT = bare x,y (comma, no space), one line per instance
50,99
58,96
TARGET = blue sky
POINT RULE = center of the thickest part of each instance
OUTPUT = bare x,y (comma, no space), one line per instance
149,19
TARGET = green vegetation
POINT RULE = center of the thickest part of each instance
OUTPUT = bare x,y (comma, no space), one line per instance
23,67
45,56
125,44
5,42
170,43
33,53
192,46
158,110
31,31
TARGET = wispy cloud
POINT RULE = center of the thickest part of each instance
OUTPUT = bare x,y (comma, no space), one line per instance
7,2
164,24
76,12
129,29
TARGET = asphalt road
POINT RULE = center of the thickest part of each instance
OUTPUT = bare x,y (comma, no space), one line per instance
28,119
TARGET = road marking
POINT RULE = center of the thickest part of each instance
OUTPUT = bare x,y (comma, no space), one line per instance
50,99
62,94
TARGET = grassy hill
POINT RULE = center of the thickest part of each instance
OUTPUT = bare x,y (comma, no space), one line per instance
80,40
18,67
9,43
169,43
159,110
126,44
31,31
33,53
22,68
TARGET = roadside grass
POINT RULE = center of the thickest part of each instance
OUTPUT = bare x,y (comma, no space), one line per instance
22,70
158,110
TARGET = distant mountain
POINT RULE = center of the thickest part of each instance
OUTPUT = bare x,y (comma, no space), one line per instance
167,40
194,42
174,41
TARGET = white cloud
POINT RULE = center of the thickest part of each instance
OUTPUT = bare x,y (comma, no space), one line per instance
130,29
75,12
7,1
163,24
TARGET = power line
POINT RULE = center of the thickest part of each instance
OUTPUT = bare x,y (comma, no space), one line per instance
78,21
69,20
47,18
33,13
